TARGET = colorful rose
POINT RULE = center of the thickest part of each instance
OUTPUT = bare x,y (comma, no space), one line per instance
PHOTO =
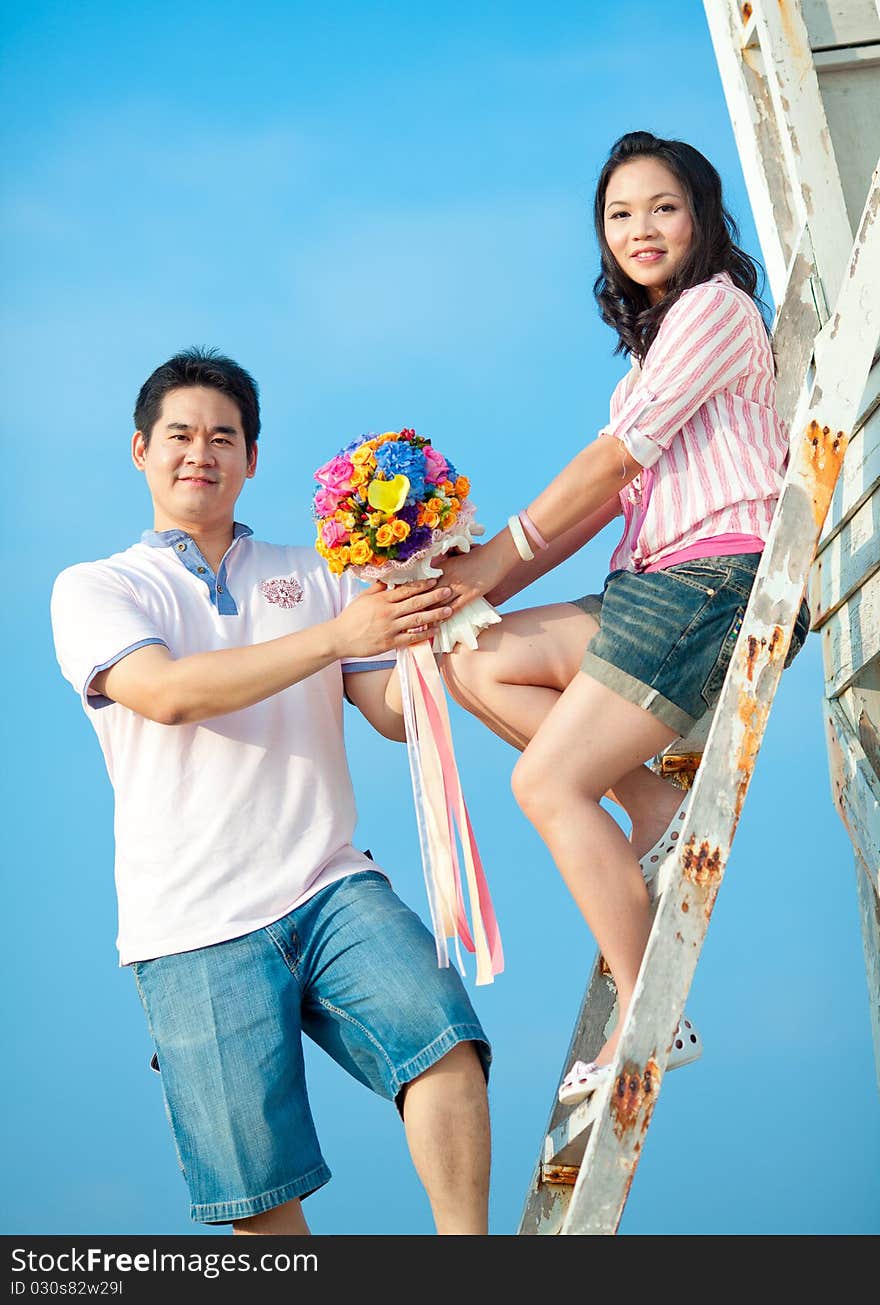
436,465
361,553
333,533
335,474
326,502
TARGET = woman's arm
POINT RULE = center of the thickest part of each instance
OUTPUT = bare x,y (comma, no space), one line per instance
560,550
581,492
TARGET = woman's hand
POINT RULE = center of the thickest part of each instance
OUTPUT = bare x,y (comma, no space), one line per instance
470,575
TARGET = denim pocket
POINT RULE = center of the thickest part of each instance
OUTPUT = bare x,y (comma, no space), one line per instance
711,690
707,578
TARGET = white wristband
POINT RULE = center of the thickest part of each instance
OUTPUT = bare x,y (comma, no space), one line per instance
519,538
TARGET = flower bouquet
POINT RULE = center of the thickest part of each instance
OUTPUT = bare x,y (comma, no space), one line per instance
386,507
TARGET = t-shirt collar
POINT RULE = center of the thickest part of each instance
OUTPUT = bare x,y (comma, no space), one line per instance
167,538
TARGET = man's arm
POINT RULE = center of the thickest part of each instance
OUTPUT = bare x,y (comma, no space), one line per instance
376,694
184,690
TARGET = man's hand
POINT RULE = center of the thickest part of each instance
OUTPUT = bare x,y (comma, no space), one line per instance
381,617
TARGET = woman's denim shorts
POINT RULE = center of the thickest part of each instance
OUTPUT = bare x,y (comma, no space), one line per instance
356,970
665,638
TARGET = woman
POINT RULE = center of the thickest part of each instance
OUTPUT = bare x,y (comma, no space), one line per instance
693,457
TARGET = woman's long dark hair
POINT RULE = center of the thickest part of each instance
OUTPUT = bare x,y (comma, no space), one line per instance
624,305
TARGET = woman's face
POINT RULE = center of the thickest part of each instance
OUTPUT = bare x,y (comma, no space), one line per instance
647,223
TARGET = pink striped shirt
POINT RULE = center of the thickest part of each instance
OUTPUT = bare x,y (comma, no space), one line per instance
700,418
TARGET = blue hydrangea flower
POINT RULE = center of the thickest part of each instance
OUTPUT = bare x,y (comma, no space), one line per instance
400,458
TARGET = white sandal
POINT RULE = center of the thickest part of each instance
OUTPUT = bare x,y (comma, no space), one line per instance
584,1078
581,1082
666,843
687,1045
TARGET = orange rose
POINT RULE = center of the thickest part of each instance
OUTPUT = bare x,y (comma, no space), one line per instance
361,553
462,487
400,528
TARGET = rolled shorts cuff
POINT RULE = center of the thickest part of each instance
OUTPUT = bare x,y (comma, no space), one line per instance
227,1211
636,692
436,1050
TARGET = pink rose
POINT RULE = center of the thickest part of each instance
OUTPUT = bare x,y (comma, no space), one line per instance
335,474
437,466
333,533
326,502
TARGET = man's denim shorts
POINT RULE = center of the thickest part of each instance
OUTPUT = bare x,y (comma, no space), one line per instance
356,970
665,638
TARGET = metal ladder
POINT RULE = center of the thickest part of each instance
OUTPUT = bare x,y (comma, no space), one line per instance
589,1154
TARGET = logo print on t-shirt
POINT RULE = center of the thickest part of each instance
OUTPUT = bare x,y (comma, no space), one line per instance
286,591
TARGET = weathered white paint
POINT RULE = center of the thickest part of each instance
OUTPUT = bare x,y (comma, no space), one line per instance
851,637
806,140
855,787
758,141
861,466
840,22
847,562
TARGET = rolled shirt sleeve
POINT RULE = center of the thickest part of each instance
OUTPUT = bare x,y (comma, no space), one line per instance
96,621
704,345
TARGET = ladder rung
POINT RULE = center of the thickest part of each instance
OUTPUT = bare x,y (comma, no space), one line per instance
565,1146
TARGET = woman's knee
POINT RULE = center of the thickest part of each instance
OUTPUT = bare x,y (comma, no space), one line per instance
533,787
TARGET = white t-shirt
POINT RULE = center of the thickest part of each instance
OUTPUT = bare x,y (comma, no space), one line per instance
226,825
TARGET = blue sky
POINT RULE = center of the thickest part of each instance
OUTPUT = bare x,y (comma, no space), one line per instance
382,210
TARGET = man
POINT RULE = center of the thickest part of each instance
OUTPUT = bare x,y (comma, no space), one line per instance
213,667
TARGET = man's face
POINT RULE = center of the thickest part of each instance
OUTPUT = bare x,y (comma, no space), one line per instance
196,461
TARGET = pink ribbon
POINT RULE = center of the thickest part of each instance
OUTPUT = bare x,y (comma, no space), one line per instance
440,812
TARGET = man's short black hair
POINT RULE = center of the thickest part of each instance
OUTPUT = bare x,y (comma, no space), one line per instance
205,367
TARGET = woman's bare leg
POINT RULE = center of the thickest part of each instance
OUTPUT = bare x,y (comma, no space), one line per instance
602,738
515,677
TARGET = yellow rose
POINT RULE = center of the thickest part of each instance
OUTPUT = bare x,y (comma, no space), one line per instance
385,536
364,456
361,552
376,519
359,476
400,528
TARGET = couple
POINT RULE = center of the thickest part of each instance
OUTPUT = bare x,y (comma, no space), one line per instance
213,668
